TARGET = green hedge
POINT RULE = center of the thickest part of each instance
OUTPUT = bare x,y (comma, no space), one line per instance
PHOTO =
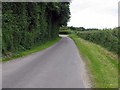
106,38
26,24
64,32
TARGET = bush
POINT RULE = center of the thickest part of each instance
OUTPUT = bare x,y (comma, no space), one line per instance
106,38
64,32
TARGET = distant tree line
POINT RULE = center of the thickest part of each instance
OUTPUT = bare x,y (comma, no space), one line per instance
26,24
76,28
81,28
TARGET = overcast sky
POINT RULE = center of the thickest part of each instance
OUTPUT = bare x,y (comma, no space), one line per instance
94,13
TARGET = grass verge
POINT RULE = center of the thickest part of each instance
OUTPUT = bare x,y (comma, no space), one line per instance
102,64
33,50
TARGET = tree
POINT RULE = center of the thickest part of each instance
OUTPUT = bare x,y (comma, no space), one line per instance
27,24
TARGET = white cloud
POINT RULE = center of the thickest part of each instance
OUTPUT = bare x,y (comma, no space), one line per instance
94,13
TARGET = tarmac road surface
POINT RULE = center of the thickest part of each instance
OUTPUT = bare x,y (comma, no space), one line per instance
59,66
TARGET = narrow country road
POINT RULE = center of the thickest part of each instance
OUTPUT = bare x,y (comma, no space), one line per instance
59,66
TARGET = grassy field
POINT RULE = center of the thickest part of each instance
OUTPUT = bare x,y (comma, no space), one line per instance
33,50
102,64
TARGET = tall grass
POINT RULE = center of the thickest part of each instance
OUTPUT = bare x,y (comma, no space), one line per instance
102,64
32,50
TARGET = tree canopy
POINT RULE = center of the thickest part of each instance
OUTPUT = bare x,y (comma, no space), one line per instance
26,24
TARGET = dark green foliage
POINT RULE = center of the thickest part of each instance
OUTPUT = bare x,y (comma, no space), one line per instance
26,24
77,28
91,29
106,38
64,30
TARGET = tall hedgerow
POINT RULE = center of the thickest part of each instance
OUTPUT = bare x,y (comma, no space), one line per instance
106,38
27,24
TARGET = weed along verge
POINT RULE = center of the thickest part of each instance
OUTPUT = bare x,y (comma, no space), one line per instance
102,64
32,50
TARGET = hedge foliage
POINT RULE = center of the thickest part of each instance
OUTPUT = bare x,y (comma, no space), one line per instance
26,24
106,38
64,30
